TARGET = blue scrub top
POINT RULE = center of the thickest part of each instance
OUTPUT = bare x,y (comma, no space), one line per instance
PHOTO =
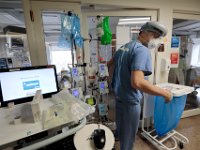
131,56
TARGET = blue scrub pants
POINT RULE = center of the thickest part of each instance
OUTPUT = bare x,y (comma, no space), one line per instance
127,121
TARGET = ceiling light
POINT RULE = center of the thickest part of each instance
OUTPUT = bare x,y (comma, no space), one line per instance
134,31
131,22
135,19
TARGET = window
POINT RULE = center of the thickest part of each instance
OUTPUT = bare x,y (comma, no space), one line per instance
61,57
195,52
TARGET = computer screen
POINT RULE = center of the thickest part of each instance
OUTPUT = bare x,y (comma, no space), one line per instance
19,85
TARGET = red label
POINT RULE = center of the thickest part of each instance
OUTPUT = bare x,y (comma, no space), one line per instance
174,58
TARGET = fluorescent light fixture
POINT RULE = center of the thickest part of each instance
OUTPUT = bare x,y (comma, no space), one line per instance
135,31
131,22
135,19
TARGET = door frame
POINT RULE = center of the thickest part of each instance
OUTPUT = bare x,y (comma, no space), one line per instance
35,28
188,16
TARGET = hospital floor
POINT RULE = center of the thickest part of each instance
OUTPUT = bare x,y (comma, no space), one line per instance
189,127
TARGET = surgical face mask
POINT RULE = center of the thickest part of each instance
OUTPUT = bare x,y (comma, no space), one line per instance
154,44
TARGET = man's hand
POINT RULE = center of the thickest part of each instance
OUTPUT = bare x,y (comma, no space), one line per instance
168,96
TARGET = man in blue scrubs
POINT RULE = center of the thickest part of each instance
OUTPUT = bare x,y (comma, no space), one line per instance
132,63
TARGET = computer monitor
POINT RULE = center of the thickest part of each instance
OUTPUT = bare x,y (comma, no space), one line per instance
19,85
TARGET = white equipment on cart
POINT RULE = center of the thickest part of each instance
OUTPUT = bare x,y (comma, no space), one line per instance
148,113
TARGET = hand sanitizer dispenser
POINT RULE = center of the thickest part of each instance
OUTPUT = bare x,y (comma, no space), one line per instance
165,64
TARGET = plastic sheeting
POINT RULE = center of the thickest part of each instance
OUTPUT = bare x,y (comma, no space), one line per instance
65,109
107,36
66,31
167,115
70,30
76,31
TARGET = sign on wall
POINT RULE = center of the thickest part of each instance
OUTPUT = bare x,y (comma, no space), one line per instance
175,42
174,58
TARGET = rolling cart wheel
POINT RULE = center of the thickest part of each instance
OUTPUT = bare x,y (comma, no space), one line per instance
180,144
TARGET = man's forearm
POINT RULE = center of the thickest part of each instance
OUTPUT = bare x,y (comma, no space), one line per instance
138,82
147,87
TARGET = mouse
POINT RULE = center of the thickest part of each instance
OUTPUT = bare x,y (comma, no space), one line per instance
99,138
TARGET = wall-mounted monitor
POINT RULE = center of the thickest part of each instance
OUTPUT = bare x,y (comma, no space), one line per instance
19,85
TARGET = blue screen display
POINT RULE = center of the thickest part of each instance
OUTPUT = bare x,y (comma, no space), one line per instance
75,92
28,85
74,72
102,86
102,67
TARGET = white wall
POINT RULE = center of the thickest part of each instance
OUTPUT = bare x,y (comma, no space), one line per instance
122,36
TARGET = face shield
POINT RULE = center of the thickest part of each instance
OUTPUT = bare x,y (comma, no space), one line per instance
154,44
158,31
156,27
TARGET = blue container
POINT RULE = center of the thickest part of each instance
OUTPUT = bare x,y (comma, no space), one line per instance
167,115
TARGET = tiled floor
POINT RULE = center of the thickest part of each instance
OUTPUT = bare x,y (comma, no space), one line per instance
189,127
